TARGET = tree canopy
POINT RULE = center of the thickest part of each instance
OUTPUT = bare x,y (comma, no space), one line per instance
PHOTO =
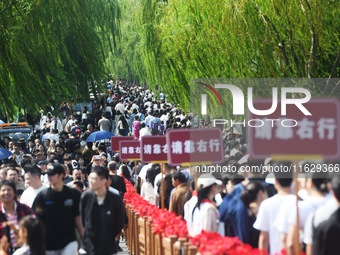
168,43
49,49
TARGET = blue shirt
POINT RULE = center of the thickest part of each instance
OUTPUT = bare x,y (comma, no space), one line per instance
234,215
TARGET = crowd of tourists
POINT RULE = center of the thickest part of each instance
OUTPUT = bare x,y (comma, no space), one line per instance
63,195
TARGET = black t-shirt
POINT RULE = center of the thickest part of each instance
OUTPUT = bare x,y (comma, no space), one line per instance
118,183
58,211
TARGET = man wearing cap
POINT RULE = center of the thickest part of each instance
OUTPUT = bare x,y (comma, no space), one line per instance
58,208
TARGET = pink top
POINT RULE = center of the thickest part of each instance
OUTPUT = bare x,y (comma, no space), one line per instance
136,128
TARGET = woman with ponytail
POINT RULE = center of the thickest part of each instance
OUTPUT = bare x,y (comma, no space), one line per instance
252,196
205,215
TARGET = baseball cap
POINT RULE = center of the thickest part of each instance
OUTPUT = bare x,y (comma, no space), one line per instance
206,180
42,162
54,168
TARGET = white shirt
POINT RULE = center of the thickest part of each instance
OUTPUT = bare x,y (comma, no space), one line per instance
314,219
29,195
305,208
108,109
157,179
144,131
83,116
206,218
281,220
218,199
59,125
25,249
45,136
303,194
147,193
70,122
268,211
147,104
164,118
44,180
134,106
42,122
120,107
148,120
188,207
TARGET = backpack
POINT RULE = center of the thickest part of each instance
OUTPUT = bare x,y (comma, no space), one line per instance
155,126
162,129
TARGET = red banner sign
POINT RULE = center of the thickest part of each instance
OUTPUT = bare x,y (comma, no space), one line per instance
129,150
296,133
154,149
116,139
195,146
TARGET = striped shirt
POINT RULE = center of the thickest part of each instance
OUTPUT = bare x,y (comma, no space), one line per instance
20,210
14,219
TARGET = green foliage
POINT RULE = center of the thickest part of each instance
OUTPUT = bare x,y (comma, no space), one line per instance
169,43
49,49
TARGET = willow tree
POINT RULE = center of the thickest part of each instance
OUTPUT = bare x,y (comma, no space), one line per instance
49,50
126,59
182,40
